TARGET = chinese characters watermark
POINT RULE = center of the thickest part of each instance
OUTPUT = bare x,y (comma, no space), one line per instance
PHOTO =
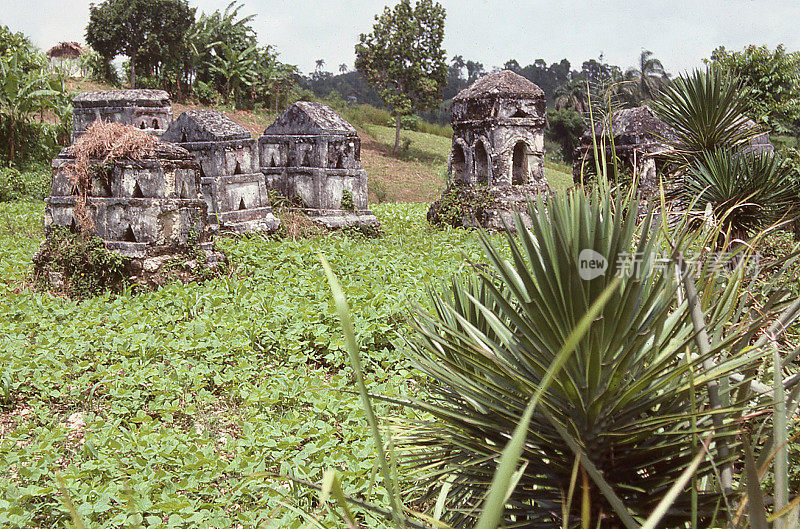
636,265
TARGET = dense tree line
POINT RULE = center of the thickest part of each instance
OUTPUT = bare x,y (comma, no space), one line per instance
216,58
212,57
568,91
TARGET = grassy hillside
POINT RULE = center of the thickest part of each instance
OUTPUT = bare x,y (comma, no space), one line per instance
417,174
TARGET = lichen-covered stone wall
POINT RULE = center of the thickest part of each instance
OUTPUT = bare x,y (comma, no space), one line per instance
498,140
146,110
232,184
135,206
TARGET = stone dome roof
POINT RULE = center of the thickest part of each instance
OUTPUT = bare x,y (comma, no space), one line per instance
203,126
503,83
632,125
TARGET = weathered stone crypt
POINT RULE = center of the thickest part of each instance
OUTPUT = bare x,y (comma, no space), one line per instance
147,110
312,157
230,179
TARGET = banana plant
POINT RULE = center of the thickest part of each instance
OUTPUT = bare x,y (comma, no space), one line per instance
236,67
21,93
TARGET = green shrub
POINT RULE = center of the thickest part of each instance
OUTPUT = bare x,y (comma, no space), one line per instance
378,188
206,94
34,143
746,192
406,122
436,129
97,68
78,265
565,129
459,204
15,185
347,202
364,114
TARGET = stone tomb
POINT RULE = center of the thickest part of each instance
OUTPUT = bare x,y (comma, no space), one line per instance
497,157
232,185
498,132
147,110
148,210
312,156
640,143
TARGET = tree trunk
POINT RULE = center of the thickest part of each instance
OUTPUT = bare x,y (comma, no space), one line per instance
133,71
12,127
396,135
178,76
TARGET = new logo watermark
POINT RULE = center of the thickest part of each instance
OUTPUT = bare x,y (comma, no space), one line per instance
591,264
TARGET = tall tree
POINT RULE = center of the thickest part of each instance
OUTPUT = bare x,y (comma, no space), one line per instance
475,70
774,80
649,76
139,29
403,57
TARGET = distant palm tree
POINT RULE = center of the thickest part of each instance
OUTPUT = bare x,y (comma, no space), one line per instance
343,68
649,77
320,64
572,95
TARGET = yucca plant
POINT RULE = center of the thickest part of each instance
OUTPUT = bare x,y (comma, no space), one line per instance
706,110
628,405
746,192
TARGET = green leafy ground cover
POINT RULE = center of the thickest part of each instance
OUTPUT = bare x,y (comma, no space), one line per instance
155,408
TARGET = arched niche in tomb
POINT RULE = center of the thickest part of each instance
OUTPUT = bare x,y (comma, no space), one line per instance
458,164
519,164
481,157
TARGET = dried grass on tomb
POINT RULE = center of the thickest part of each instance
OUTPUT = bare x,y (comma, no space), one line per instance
106,142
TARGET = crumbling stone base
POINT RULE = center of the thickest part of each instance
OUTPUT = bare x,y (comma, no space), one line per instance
82,265
491,208
311,222
187,264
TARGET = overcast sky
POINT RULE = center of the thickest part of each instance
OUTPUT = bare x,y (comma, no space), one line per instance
680,32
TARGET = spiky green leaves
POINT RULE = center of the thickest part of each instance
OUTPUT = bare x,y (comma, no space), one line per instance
707,110
624,399
747,192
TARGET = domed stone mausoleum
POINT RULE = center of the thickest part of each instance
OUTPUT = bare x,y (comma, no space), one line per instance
498,131
497,157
